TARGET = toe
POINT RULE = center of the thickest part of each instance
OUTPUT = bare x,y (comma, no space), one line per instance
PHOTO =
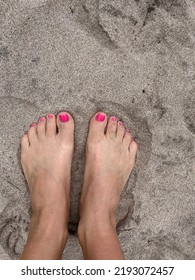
51,125
112,127
133,147
24,142
97,125
41,128
127,138
120,131
32,133
65,124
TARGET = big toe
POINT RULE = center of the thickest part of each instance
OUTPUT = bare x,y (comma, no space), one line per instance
97,125
65,124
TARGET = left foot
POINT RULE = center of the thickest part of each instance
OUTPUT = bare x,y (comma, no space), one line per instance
46,157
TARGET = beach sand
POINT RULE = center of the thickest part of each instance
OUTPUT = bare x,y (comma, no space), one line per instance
134,59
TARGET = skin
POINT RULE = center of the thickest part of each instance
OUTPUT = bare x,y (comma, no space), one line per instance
46,157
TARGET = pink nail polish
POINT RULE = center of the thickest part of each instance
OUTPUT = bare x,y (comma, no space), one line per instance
64,118
100,117
33,124
113,118
128,130
42,119
121,123
50,116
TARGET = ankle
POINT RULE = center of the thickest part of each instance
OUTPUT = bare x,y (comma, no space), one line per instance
96,224
45,224
41,234
98,239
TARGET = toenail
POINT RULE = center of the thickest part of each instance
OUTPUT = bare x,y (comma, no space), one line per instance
121,123
42,119
113,118
50,116
100,117
128,130
33,124
64,118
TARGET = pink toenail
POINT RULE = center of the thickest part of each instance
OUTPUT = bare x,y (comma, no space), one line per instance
50,116
113,118
33,124
42,119
100,117
128,130
64,118
120,123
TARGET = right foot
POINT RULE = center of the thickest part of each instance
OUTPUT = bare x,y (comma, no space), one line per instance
110,158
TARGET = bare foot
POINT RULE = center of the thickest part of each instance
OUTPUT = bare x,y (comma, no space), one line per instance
46,157
110,158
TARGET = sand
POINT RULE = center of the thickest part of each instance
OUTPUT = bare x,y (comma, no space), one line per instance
134,59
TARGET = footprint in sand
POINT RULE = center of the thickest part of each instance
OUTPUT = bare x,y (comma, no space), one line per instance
137,25
14,224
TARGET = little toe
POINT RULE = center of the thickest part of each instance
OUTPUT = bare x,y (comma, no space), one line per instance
32,133
24,142
112,127
41,127
65,124
133,147
51,127
120,131
127,138
97,125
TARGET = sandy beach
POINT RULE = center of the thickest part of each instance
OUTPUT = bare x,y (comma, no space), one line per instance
134,59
